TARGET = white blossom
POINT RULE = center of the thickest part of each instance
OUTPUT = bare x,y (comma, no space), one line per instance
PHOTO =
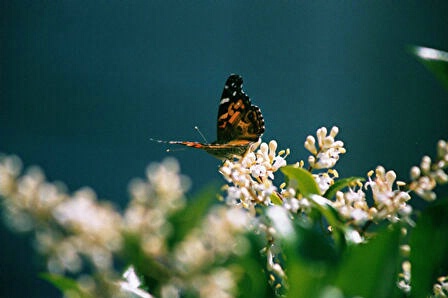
251,177
327,154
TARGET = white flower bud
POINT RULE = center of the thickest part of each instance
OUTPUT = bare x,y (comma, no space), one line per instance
272,147
334,131
390,178
415,173
425,164
310,145
441,176
442,148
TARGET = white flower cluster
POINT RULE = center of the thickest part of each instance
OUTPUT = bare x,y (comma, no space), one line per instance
219,237
388,204
327,153
92,230
73,229
192,262
251,181
429,174
31,198
69,230
152,201
326,179
352,205
251,184
213,240
66,228
440,289
404,278
325,156
251,177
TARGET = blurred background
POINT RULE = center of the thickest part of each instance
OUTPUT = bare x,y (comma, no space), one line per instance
85,85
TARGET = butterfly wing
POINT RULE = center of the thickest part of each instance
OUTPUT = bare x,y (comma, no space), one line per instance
238,119
239,123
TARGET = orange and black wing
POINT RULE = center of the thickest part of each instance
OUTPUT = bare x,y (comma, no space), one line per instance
238,119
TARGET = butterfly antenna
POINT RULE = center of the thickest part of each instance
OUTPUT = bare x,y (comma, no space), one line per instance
202,135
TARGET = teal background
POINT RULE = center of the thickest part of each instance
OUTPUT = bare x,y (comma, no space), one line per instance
84,85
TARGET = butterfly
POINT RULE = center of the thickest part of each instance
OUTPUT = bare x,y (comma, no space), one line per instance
239,125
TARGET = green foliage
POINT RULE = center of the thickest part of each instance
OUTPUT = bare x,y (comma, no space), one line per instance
367,270
435,60
65,284
153,271
341,184
314,266
186,219
252,282
429,248
371,269
311,262
301,179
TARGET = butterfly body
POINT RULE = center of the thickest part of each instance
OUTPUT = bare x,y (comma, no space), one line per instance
239,123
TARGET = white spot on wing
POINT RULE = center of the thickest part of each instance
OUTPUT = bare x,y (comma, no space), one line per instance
224,100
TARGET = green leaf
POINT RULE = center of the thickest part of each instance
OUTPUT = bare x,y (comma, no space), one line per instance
370,270
301,180
154,271
333,218
435,60
64,284
252,278
189,217
305,279
324,206
429,248
275,199
341,184
310,261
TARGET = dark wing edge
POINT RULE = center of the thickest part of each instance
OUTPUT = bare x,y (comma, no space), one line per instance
238,119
